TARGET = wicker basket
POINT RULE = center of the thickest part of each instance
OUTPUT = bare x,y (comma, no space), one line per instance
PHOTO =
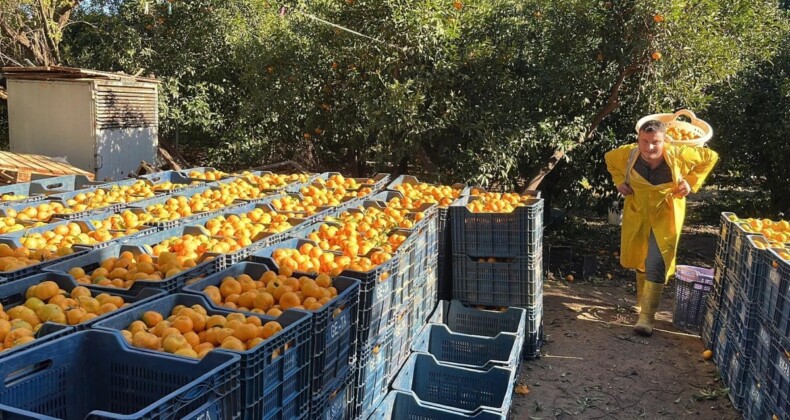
700,128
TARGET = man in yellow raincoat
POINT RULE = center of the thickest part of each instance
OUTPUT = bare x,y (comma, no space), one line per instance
655,177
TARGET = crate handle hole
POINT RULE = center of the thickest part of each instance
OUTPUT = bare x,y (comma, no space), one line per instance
22,374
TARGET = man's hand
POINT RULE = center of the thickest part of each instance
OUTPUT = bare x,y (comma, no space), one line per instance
683,189
625,189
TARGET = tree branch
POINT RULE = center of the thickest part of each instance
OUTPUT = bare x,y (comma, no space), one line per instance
612,103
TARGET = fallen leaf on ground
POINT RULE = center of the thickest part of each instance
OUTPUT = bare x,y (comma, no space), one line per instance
522,390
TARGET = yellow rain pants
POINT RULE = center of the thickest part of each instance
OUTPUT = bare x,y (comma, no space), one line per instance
655,206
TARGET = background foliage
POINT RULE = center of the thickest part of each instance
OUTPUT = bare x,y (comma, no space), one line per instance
483,91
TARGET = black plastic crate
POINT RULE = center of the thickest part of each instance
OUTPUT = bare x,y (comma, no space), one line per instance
720,354
518,282
500,235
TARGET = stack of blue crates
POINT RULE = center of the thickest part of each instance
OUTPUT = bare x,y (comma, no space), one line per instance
747,324
498,261
465,364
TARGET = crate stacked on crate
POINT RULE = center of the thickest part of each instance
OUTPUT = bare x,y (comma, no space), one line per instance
415,193
747,320
498,255
462,351
333,329
275,351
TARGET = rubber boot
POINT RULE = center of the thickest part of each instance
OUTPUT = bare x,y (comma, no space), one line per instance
651,297
640,284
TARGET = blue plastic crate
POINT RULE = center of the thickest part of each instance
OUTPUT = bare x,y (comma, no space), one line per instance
335,403
736,255
518,282
89,261
333,327
374,313
762,347
456,388
399,405
720,349
275,383
781,318
49,331
115,382
376,183
468,320
753,268
13,294
11,209
21,193
692,286
710,324
402,339
722,243
6,276
174,177
500,235
533,337
162,198
773,285
777,383
372,378
737,375
203,170
86,225
476,352
62,183
758,404
254,176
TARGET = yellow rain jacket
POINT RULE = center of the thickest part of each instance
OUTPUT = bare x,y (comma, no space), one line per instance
655,206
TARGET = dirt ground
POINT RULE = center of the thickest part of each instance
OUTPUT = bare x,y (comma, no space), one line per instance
593,366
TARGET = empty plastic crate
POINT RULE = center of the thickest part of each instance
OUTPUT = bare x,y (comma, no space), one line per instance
333,327
399,405
93,374
692,286
500,235
468,320
456,388
477,352
518,282
275,381
90,261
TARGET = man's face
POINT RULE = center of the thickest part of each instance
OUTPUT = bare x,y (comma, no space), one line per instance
651,145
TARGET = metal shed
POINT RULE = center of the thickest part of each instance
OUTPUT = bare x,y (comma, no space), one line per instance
105,123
